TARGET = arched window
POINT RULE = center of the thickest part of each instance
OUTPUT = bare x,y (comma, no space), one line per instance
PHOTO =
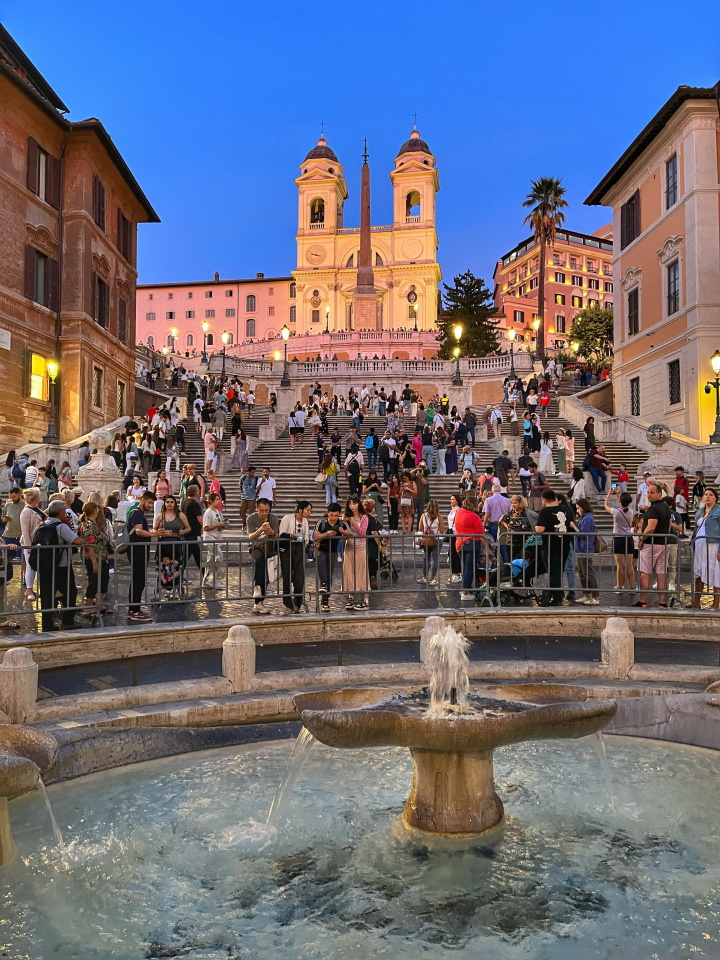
230,339
250,327
189,340
293,291
151,342
379,260
412,204
317,210
210,339
293,314
251,303
351,260
171,341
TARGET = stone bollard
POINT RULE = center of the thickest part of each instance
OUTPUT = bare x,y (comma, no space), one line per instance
617,647
431,627
18,685
238,660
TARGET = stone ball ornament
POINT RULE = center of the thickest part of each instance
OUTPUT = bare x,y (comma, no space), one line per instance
99,440
658,434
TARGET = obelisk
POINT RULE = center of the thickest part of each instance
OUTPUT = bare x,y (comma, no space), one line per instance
365,295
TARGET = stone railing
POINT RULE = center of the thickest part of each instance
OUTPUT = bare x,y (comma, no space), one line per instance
343,369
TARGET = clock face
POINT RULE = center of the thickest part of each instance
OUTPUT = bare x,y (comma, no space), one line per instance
315,255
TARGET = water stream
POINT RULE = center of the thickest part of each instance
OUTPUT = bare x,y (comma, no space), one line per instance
57,834
301,751
598,744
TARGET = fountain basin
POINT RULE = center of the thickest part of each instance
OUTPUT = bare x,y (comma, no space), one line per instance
24,754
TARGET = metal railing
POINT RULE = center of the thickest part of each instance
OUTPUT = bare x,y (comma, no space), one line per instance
179,579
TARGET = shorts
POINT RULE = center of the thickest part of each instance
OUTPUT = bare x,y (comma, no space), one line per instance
653,558
300,429
293,431
623,544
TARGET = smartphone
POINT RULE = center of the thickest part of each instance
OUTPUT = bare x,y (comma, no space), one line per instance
613,486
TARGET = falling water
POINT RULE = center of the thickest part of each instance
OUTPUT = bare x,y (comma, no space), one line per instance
598,745
448,662
59,842
301,751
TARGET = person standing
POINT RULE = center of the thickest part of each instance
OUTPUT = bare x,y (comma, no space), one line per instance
213,525
468,543
706,543
553,521
55,570
248,495
30,519
431,530
14,506
328,534
585,553
546,464
356,577
538,485
494,509
263,531
470,422
353,467
93,531
589,431
192,508
267,487
653,545
294,538
623,541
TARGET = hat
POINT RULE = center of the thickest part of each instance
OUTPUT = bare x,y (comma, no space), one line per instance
647,474
77,491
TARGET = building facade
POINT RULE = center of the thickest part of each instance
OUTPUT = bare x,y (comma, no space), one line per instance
316,302
665,195
69,209
579,273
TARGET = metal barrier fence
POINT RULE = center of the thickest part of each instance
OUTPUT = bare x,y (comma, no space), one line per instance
185,579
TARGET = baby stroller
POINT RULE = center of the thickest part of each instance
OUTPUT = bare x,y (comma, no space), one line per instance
387,570
516,577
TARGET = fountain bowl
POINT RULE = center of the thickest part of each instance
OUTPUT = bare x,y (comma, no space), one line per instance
24,754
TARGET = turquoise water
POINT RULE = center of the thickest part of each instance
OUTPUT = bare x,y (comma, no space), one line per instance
173,859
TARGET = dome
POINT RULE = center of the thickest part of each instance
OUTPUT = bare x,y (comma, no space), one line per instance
322,152
414,144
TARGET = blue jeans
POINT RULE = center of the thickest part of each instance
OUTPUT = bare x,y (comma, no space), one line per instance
492,529
431,561
428,454
570,568
372,456
330,490
469,552
471,436
598,475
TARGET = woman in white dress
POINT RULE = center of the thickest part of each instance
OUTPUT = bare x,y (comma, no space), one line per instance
546,464
213,525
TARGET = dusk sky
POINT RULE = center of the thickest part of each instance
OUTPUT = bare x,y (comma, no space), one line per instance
215,105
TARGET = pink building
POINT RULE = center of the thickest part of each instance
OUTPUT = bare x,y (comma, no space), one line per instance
172,314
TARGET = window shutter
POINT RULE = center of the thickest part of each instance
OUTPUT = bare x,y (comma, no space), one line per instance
106,306
636,215
30,266
54,173
96,184
94,313
32,165
122,320
51,284
120,231
623,226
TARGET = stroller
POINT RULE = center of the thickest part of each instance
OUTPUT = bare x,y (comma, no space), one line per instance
387,570
516,577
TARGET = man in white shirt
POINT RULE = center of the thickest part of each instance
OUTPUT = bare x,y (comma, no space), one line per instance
642,501
294,538
438,421
300,421
252,385
389,461
31,474
266,486
198,404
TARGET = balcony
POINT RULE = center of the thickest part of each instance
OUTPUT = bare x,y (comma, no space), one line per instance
415,219
317,226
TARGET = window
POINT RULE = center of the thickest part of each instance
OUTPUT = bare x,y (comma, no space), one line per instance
151,296
350,260
189,340
293,314
41,278
560,298
151,342
671,181
208,294
593,303
97,379
559,276
122,320
149,316
271,291
230,339
170,296
271,311
228,293
674,381
120,399
38,379
577,280
673,288
522,290
317,210
189,314
573,263
560,323
533,283
98,202
633,312
209,314
250,327
412,204
594,284
210,339
124,235
293,291
170,315
635,397
315,316
591,268
558,260
608,287
43,174
171,341
519,316
190,296
250,303
630,220
577,301
230,312
100,302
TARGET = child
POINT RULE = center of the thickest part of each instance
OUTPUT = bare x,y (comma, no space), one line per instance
169,572
250,402
698,489
681,506
623,478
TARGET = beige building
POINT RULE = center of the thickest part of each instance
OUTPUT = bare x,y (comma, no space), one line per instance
665,195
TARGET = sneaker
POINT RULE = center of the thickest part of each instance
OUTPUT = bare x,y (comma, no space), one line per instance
582,600
422,580
638,603
464,595
288,612
432,583
339,559
350,605
260,610
358,606
593,602
324,589
325,607
257,592
140,617
455,578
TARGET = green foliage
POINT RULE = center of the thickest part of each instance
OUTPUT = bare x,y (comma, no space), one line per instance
470,303
546,200
592,329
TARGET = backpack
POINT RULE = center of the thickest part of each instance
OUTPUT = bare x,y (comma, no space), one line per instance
354,467
46,535
18,474
384,453
369,442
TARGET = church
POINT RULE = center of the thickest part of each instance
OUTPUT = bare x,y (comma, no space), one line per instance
367,290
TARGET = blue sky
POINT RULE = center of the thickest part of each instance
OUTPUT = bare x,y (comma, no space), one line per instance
215,105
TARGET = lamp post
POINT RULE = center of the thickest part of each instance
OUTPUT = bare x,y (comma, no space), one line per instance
327,319
225,337
285,334
536,327
457,333
415,310
205,328
511,337
51,436
715,364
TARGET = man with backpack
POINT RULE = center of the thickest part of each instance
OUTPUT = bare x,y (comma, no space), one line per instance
354,465
53,563
372,442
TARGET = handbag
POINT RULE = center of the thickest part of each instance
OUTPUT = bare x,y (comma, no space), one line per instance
321,477
405,500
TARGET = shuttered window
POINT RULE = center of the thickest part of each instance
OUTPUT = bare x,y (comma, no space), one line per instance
98,202
674,384
122,321
635,397
630,220
673,288
124,235
43,174
100,307
120,399
97,379
633,310
41,278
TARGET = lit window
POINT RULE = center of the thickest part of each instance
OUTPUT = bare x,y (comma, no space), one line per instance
38,377
560,299
560,322
577,301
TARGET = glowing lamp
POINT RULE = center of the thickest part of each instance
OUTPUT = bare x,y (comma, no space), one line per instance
225,337
205,326
511,334
715,362
285,333
458,330
52,367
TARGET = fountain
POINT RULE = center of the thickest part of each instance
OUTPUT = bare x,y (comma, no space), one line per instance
451,733
24,754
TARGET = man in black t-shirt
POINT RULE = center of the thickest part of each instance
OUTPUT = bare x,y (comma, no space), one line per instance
653,545
138,535
554,517
504,465
326,538
193,509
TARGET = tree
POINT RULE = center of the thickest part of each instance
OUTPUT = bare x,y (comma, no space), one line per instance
470,303
592,330
546,200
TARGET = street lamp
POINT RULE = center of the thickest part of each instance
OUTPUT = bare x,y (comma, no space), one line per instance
174,335
457,333
715,364
536,327
415,310
511,337
205,328
225,337
51,436
327,319
285,334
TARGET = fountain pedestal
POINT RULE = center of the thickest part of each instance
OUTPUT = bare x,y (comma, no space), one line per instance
452,793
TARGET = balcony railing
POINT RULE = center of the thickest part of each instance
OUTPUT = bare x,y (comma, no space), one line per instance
317,226
414,219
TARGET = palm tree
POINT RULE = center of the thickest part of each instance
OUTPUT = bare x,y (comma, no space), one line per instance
546,200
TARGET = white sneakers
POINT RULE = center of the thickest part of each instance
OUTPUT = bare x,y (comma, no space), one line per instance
257,592
260,609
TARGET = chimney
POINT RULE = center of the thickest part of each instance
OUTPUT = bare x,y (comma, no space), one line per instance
260,276
217,277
